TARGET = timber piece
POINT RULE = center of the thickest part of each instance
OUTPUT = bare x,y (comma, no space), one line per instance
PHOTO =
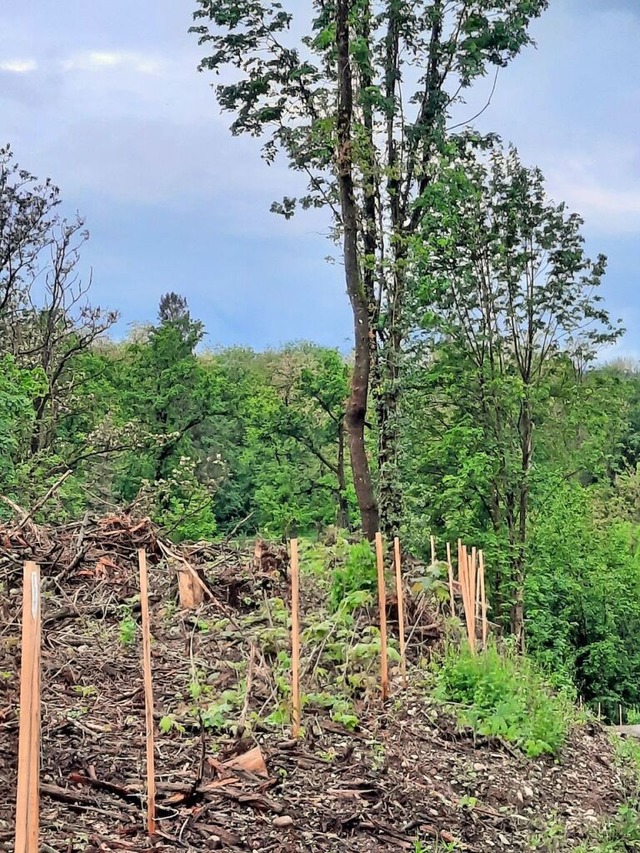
28,788
400,595
382,602
295,640
148,692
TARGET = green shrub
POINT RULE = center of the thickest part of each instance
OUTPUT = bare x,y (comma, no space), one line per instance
356,574
503,695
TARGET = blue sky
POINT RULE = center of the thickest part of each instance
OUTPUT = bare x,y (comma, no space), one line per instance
105,99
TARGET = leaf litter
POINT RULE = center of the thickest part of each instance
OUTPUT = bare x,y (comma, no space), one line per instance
229,776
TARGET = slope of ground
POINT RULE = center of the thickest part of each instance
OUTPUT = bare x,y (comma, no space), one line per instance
362,778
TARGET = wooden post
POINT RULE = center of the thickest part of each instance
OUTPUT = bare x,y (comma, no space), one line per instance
433,549
467,597
473,574
28,792
450,572
295,640
400,594
382,600
620,713
462,576
483,597
148,690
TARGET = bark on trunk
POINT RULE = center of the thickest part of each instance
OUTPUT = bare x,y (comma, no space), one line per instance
525,425
356,410
343,505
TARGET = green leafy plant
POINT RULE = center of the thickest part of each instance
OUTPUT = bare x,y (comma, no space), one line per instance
219,714
620,835
127,630
503,695
356,574
169,723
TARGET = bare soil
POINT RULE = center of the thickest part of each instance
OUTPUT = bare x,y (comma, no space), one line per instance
405,773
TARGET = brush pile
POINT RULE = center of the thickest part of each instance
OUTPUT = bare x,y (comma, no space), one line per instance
363,778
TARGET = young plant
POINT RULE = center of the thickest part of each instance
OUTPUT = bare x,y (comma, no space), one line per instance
504,695
357,574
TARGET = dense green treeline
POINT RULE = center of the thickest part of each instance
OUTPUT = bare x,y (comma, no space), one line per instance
512,431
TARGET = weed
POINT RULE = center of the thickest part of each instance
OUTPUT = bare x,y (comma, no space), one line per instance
169,723
356,574
552,839
279,717
504,695
438,846
127,630
218,715
85,692
620,835
340,709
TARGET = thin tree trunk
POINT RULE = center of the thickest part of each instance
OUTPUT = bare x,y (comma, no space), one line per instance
343,505
526,445
357,404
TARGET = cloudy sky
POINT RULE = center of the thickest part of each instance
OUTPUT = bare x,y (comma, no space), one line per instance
105,99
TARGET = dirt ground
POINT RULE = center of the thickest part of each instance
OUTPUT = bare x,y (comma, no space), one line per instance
404,774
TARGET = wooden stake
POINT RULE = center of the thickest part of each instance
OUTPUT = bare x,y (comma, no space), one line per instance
599,710
620,713
462,575
467,598
148,691
433,549
28,793
295,640
473,574
400,594
382,600
450,572
483,598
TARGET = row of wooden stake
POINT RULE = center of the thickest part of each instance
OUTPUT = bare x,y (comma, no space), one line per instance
470,583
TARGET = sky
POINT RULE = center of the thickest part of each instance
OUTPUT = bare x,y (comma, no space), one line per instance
105,98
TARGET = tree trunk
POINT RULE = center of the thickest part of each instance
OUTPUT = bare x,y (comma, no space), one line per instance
343,505
387,399
357,404
525,425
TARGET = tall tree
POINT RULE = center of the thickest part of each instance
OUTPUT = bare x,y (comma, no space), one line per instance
358,104
507,298
46,320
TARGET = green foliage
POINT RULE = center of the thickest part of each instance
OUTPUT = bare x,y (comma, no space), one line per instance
504,695
19,388
621,835
583,597
357,574
127,630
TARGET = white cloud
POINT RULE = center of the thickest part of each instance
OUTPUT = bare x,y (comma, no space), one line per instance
18,66
94,60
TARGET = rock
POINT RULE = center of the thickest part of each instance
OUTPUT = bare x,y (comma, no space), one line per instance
214,842
528,792
282,821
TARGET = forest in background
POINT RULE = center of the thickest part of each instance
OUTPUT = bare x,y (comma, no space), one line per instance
231,442
477,402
